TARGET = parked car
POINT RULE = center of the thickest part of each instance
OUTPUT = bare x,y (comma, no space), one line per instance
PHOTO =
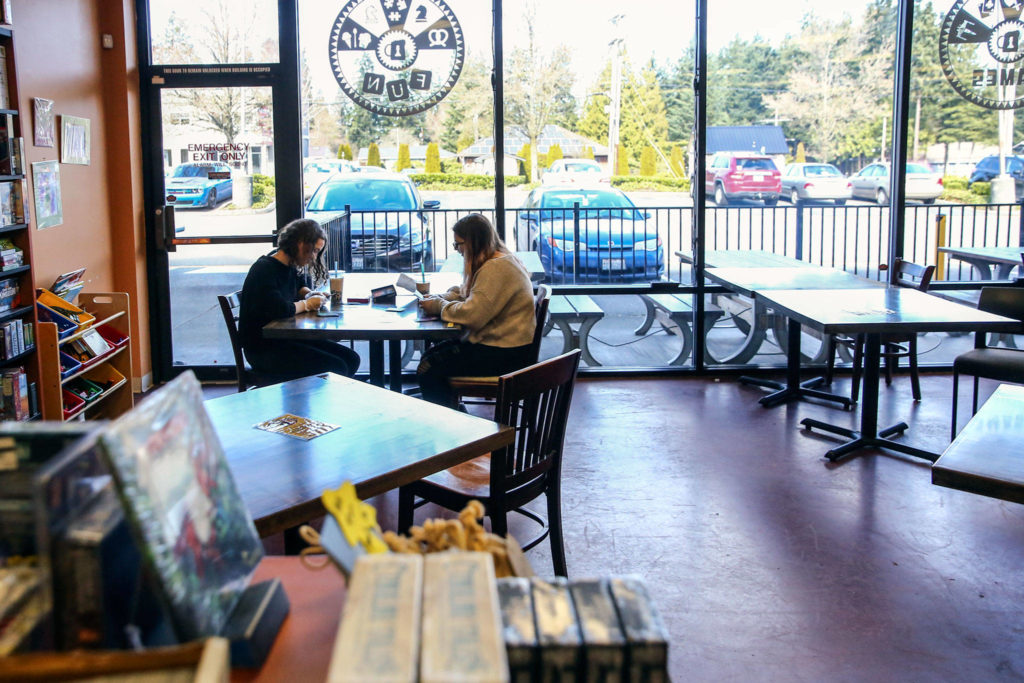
815,182
923,184
387,230
616,244
988,168
732,176
315,171
582,171
198,184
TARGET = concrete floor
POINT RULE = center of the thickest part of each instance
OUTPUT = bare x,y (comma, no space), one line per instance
770,563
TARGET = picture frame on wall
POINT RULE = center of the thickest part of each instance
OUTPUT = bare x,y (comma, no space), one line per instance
74,140
44,129
46,183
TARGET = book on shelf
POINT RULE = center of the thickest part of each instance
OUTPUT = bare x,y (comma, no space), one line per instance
14,394
9,294
5,93
19,202
11,256
6,136
18,156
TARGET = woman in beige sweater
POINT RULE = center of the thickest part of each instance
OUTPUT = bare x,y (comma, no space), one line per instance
494,305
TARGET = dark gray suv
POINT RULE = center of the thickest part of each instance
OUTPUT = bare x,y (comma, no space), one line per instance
988,168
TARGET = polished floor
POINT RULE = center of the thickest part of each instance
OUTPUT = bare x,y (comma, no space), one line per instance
770,563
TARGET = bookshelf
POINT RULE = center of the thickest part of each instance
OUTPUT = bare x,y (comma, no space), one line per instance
15,227
112,368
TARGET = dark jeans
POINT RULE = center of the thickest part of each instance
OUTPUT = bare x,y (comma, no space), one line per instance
456,358
294,359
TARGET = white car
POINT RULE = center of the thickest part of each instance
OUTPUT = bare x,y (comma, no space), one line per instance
579,171
315,171
923,184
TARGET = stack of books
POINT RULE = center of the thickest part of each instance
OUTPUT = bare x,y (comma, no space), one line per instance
16,337
12,148
14,395
12,203
11,256
22,606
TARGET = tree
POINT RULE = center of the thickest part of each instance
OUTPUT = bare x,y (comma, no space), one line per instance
464,141
554,154
403,158
801,154
622,161
345,151
537,87
648,161
467,113
587,152
675,162
373,155
525,153
433,161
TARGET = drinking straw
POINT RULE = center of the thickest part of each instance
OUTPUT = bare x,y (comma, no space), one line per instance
423,272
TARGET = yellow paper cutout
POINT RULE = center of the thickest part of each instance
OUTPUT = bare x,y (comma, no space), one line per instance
357,520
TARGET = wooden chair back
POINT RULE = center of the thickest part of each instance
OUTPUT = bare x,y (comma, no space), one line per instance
229,305
535,402
1004,301
909,274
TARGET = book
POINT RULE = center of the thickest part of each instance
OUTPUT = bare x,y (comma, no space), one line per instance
9,294
5,93
518,628
557,630
6,203
379,635
69,284
646,636
190,522
461,620
18,156
19,206
604,646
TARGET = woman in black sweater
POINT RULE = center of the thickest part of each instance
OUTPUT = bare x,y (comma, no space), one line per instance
276,288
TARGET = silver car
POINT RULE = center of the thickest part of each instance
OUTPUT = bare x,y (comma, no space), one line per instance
815,182
923,184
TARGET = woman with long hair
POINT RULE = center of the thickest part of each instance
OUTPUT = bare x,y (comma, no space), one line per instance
495,307
280,285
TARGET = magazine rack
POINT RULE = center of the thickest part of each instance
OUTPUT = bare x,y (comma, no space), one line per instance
109,370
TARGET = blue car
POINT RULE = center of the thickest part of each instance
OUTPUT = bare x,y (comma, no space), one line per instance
198,185
388,229
615,243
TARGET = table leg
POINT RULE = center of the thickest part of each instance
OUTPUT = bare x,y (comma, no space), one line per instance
793,387
395,364
869,436
377,362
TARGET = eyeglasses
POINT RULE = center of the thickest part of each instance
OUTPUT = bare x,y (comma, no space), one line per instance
458,245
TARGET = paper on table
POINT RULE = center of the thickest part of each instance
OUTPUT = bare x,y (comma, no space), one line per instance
298,427
406,282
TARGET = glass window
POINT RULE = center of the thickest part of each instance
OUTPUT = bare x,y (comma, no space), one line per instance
214,32
821,171
363,195
755,164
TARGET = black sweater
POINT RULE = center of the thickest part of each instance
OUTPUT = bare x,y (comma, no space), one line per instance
270,291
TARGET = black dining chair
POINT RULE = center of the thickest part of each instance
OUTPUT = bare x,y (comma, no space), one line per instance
247,377
1000,364
894,346
535,402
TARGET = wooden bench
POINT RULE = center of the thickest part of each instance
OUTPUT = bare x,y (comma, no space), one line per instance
674,313
567,310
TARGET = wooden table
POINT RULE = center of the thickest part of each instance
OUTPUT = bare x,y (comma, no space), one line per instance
1005,259
745,258
530,259
986,456
873,312
302,649
373,323
385,440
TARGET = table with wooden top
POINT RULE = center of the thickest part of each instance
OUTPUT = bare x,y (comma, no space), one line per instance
1005,259
872,312
372,322
745,258
384,440
986,456
747,281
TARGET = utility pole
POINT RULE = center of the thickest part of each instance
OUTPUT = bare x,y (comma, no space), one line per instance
884,121
616,103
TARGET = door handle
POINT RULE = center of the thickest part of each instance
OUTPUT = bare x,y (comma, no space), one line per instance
165,221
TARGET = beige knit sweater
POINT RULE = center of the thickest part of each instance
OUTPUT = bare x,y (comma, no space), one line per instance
499,308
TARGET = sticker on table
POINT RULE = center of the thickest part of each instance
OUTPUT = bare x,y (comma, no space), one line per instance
295,426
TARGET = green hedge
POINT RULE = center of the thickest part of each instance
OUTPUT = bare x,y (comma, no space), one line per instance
263,191
982,189
662,183
962,197
461,181
954,182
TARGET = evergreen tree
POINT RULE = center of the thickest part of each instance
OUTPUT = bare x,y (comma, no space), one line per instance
588,152
675,162
373,155
403,158
433,162
648,161
554,154
464,141
622,161
341,151
525,152
801,154
346,151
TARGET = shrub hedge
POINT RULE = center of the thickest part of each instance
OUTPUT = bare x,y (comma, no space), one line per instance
461,181
663,183
263,190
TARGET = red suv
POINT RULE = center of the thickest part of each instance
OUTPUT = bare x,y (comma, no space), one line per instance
743,176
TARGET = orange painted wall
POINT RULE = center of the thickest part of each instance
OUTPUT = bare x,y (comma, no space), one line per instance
59,57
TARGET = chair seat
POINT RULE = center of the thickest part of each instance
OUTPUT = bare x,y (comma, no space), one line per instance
472,479
1002,364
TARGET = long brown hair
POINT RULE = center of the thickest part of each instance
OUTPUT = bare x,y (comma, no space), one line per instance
306,231
481,242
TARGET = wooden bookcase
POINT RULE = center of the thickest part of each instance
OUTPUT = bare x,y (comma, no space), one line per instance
20,234
110,308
